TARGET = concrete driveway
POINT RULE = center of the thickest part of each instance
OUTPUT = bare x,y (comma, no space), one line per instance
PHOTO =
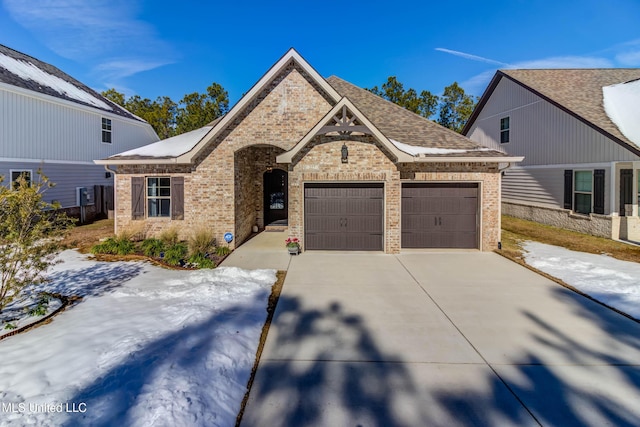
440,339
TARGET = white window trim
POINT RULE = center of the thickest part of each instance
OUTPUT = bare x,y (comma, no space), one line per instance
582,192
11,171
508,130
110,130
147,197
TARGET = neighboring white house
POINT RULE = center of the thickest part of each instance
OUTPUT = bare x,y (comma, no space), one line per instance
52,122
579,133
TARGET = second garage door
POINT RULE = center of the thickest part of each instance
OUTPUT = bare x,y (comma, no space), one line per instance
344,217
440,215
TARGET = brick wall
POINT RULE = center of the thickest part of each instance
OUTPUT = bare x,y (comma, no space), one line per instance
223,189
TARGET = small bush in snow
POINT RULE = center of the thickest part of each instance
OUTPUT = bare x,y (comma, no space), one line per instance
202,241
223,251
175,254
169,236
152,247
115,246
30,229
200,260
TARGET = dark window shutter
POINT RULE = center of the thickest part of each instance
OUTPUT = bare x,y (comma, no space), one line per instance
177,197
598,191
137,197
568,189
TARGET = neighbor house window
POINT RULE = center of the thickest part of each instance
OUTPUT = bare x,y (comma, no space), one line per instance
15,174
504,130
159,197
106,130
583,191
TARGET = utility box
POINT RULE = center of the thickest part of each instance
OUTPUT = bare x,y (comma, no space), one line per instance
83,198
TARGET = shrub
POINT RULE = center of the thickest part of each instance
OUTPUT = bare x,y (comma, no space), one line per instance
169,236
135,233
175,254
30,233
202,241
152,247
108,246
201,261
114,246
223,251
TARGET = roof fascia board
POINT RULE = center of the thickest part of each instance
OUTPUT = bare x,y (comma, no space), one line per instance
468,159
275,69
593,126
483,100
288,156
151,161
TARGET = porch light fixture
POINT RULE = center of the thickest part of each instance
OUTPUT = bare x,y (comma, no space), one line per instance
269,169
345,153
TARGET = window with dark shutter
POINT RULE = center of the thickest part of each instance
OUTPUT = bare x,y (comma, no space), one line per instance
177,197
137,197
598,191
568,189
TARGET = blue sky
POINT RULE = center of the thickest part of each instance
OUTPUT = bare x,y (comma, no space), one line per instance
154,48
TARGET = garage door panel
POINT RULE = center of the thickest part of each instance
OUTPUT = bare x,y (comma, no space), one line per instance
363,224
328,206
344,217
439,215
363,207
329,224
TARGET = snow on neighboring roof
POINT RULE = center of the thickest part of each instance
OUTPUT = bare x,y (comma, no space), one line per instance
416,151
28,71
622,103
170,147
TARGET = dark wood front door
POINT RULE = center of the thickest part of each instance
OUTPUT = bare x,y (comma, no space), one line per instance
626,189
275,196
344,217
439,215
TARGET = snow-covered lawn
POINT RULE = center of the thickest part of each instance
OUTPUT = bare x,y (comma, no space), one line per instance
146,346
608,280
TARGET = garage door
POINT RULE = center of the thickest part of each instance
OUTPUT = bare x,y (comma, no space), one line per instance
344,217
440,215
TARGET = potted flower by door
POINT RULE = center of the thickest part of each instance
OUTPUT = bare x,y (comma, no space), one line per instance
293,245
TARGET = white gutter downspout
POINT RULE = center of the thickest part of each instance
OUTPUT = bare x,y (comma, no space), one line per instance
115,222
509,164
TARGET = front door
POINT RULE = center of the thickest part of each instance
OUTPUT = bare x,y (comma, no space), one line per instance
626,189
275,197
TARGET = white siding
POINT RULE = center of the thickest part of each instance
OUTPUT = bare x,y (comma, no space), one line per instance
34,126
66,178
541,132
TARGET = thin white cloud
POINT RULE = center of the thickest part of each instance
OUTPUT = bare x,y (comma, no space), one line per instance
478,83
629,59
99,33
471,57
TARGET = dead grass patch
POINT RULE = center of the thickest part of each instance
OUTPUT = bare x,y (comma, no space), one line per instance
515,231
83,237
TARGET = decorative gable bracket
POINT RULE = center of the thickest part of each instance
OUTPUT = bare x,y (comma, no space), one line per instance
344,123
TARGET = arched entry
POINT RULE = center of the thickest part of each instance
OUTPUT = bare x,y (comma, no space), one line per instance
275,197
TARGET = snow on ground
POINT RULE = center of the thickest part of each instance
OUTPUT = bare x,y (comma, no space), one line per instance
146,346
608,280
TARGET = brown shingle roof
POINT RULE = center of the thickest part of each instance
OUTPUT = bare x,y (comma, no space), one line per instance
402,125
578,91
